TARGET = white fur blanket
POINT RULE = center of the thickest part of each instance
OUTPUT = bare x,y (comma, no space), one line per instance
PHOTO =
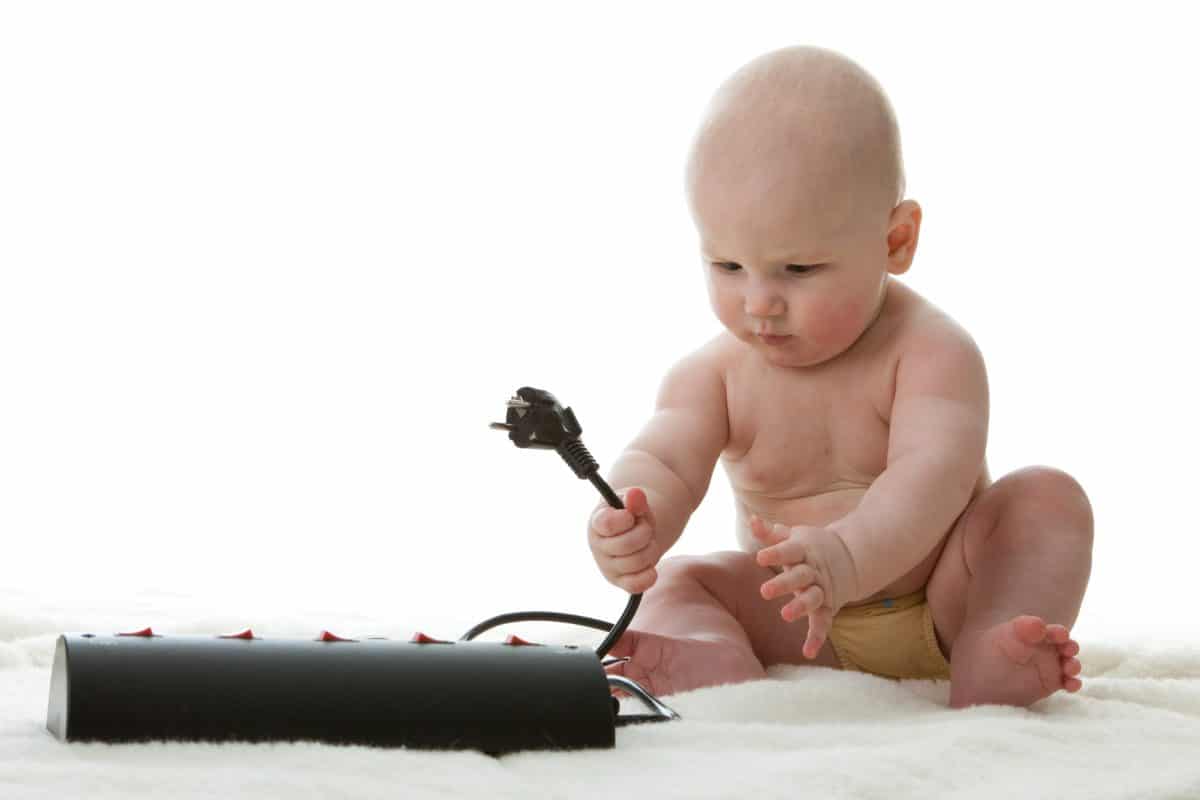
806,732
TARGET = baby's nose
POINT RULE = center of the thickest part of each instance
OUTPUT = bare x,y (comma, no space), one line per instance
763,304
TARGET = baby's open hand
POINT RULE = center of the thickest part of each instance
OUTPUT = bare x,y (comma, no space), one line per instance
814,560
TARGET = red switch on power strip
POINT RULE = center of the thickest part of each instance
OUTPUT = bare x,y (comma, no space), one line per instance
420,638
326,636
246,634
142,632
515,640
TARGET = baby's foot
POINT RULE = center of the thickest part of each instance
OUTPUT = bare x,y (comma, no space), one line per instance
1014,663
665,665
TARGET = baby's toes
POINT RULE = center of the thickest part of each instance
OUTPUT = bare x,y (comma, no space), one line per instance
1058,634
1071,667
1068,648
1029,629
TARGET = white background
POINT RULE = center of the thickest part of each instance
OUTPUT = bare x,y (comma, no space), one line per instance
268,270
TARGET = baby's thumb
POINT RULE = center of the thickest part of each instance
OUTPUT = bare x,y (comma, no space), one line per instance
636,502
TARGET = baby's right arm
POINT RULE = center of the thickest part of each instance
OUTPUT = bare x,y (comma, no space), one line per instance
672,461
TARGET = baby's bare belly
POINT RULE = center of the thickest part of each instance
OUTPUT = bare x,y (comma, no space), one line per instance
821,508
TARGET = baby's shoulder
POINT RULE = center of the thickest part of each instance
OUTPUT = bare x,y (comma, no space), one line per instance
919,324
713,354
938,356
928,342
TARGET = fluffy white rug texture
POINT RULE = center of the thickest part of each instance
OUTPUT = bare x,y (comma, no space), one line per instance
1132,732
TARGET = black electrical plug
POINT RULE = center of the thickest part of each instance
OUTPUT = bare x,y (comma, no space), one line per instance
535,418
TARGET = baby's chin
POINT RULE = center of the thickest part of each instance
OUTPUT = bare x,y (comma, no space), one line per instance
789,351
794,351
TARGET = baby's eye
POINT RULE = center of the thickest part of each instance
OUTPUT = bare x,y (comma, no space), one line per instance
795,269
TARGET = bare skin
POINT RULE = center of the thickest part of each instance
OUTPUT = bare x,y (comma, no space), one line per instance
795,185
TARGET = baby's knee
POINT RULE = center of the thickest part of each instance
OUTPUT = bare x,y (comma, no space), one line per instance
710,569
1049,491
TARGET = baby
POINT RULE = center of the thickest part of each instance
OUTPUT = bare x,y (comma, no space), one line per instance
851,417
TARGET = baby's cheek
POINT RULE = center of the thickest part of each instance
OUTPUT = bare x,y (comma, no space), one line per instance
838,324
728,312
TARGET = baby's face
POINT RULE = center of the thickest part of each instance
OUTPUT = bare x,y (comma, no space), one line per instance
807,268
795,185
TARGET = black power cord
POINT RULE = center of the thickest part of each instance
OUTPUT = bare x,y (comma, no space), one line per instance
535,418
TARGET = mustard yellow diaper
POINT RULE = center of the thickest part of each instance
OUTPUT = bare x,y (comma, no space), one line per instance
892,638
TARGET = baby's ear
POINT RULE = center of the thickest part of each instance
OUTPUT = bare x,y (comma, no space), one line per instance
904,230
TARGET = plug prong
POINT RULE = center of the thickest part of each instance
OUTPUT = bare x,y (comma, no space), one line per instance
517,402
500,426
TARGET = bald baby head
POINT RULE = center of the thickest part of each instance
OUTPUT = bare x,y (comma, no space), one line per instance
800,133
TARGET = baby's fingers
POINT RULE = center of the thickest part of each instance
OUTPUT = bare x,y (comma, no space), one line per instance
792,579
786,552
768,534
819,623
624,544
805,602
612,521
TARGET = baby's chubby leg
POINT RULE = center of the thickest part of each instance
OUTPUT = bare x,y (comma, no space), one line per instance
1009,585
704,623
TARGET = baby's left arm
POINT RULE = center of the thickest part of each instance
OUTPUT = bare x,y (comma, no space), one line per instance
935,453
